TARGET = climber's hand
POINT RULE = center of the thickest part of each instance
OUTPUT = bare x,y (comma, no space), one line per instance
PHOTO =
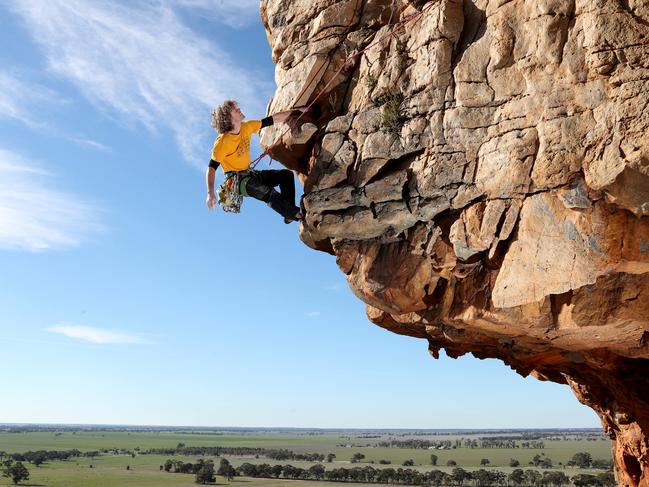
211,201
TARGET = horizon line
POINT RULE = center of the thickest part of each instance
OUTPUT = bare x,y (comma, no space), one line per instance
298,428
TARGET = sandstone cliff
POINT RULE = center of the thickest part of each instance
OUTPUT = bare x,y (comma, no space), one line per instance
482,177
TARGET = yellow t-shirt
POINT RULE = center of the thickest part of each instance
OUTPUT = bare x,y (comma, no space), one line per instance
232,151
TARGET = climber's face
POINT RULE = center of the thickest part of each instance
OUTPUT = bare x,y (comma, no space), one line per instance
237,115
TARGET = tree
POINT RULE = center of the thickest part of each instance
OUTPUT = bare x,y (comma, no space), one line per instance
459,475
225,469
408,463
546,463
437,477
265,470
585,480
517,477
532,477
433,459
16,471
357,457
39,458
451,463
276,470
316,472
330,457
555,478
484,461
581,459
482,477
167,466
603,464
205,474
514,463
607,479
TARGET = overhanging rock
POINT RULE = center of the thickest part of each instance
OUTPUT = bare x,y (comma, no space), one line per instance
483,180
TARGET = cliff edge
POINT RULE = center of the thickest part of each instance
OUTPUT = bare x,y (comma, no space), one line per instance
482,177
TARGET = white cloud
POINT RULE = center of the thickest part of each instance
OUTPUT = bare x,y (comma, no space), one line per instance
35,217
143,65
96,335
313,314
22,101
90,143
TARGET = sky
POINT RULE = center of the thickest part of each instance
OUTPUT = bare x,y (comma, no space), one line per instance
124,301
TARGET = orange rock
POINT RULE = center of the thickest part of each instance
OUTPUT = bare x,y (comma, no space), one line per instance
482,177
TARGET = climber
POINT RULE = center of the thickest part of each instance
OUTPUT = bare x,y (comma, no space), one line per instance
232,152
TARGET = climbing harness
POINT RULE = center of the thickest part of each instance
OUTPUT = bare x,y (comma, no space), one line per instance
232,191
348,61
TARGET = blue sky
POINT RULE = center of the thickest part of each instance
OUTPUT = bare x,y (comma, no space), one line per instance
123,300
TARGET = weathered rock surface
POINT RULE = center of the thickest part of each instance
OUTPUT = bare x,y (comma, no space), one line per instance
482,176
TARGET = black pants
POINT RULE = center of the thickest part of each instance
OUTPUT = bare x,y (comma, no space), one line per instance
261,186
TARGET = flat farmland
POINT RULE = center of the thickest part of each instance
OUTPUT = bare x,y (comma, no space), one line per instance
96,440
558,451
135,468
144,472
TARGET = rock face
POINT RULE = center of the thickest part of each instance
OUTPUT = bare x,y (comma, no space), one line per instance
482,176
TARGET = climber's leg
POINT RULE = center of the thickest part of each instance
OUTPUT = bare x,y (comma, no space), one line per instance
282,178
261,186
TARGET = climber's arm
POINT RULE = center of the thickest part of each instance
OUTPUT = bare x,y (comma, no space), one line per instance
280,117
209,181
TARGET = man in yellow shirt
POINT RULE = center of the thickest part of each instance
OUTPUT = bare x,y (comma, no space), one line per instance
231,151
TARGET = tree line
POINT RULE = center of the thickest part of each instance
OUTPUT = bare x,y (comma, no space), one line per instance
399,476
217,451
486,442
417,444
41,456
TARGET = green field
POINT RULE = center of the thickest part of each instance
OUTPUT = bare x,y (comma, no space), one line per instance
558,451
144,471
96,440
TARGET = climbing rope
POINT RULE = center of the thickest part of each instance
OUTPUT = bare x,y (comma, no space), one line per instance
348,61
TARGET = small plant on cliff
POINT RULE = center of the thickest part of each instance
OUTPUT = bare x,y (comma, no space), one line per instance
392,116
371,81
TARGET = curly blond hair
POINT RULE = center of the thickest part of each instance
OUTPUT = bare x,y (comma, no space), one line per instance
222,116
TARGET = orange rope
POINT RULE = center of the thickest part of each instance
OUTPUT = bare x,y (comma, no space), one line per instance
401,25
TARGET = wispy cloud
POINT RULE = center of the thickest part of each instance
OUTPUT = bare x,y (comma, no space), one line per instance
235,13
22,100
313,314
142,64
97,335
35,217
90,143
30,103
335,287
